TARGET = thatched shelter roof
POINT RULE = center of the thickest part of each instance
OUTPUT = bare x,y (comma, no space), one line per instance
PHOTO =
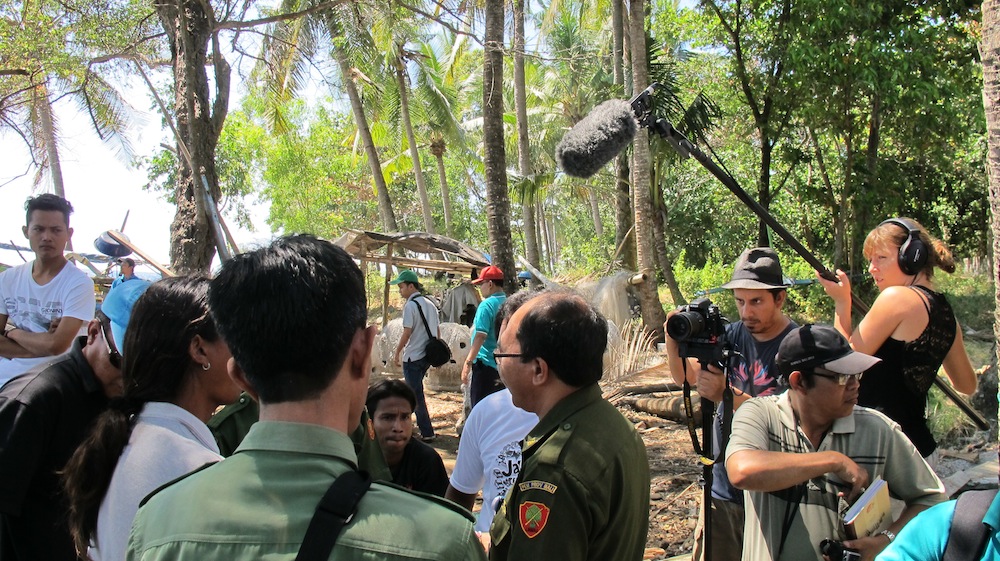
443,254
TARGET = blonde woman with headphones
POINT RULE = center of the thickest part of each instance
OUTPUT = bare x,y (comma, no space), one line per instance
911,327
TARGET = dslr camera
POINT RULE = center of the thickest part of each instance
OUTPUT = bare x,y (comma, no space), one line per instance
837,552
700,332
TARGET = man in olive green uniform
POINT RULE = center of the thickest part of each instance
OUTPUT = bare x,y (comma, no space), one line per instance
583,489
309,373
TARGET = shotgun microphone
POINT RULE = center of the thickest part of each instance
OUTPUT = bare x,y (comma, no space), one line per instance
597,138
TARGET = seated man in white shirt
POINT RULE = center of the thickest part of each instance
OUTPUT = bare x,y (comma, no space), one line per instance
47,301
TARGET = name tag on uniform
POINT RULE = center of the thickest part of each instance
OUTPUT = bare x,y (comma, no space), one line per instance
539,485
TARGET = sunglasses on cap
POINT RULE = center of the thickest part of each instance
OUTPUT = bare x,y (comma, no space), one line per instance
114,357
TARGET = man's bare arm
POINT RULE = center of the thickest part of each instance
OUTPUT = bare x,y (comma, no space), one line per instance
50,343
766,471
405,338
477,343
8,347
461,499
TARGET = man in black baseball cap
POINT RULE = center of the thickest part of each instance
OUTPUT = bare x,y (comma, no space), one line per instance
800,453
759,288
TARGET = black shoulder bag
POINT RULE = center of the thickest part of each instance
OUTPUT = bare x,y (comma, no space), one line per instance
436,351
334,510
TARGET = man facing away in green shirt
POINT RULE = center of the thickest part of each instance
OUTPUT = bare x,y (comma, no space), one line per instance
294,315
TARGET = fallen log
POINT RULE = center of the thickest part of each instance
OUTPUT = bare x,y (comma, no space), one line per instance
670,408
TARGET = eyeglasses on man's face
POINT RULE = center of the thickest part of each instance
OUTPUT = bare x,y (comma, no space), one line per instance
508,355
841,379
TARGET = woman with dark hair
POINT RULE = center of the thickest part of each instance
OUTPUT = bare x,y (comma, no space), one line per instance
911,327
174,376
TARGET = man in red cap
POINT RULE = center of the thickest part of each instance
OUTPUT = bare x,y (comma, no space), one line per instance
481,365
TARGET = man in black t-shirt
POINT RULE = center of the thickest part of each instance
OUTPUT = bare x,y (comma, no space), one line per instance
44,415
413,464
759,288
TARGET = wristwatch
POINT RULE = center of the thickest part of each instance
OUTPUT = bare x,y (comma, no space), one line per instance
888,534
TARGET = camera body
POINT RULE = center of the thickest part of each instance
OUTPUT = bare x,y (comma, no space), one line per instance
837,552
700,332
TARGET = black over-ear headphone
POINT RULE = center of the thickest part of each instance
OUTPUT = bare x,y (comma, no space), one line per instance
913,254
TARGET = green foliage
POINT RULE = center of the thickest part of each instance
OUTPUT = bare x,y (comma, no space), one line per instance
945,420
971,296
56,49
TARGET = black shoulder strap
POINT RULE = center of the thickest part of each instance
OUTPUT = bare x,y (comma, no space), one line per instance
172,481
423,318
968,533
335,509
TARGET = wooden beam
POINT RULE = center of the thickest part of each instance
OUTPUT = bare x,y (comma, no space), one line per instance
385,291
429,264
118,237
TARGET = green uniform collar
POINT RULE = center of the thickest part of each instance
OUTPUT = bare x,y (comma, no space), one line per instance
565,408
299,438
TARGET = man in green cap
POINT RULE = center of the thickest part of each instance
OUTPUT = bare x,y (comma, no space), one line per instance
420,321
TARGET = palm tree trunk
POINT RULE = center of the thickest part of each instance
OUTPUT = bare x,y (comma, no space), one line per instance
374,164
989,52
404,108
623,194
595,212
523,147
543,250
495,158
51,146
649,302
445,196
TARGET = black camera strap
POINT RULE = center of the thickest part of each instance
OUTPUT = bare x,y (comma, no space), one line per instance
727,413
704,450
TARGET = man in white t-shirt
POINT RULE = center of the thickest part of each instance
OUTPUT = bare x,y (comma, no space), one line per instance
48,301
489,454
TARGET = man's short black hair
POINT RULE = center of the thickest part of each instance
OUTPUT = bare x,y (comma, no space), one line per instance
512,304
386,389
47,201
568,333
289,313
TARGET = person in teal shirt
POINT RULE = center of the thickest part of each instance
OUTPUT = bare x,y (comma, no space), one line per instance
294,315
925,537
127,266
480,369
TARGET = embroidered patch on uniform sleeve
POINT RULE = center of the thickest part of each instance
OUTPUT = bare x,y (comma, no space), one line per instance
538,485
533,517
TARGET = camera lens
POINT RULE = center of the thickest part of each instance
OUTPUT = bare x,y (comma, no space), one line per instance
684,325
